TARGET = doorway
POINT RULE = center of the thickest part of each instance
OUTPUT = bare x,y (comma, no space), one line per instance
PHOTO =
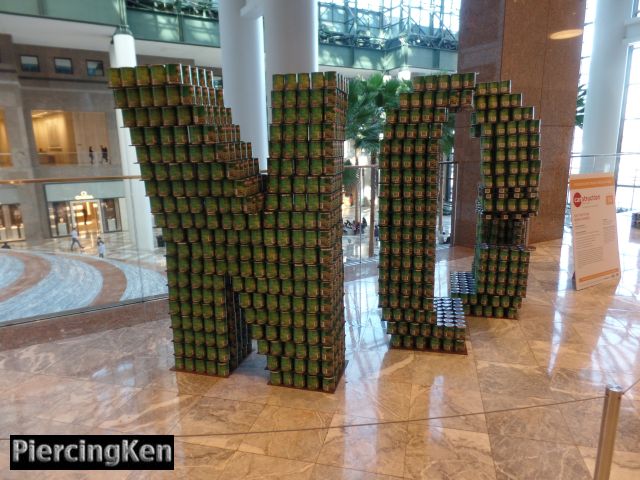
86,216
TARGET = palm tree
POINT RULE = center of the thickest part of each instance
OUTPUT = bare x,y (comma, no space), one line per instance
368,100
580,102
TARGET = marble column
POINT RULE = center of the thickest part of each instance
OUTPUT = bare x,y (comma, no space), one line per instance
603,110
243,74
122,53
291,36
514,40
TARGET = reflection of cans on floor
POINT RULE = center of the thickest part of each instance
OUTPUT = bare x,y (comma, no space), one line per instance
635,220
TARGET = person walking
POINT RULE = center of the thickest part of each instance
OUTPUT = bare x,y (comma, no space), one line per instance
105,154
364,224
376,232
75,238
91,156
102,248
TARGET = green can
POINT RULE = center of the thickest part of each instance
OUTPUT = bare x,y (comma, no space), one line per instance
299,380
275,378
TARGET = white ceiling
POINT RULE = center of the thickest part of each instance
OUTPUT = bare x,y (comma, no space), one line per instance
63,34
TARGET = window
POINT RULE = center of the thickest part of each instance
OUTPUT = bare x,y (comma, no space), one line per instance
628,192
5,148
63,65
29,63
11,227
585,64
95,68
71,138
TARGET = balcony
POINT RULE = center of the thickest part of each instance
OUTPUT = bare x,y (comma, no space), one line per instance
399,35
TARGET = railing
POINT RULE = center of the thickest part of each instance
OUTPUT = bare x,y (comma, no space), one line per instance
195,8
91,11
178,21
141,273
360,206
396,23
40,274
626,168
56,158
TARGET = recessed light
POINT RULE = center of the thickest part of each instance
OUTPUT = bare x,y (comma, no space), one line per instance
564,34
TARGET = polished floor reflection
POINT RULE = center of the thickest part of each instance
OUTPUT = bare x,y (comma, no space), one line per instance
525,403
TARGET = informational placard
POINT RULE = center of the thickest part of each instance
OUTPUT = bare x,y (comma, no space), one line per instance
595,236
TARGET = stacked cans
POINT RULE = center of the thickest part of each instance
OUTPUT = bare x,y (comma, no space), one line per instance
410,153
443,331
509,152
498,282
509,137
501,232
205,193
297,314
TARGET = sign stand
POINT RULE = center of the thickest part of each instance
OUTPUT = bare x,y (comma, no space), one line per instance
595,236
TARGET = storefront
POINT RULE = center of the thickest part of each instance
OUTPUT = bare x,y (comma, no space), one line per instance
11,226
93,207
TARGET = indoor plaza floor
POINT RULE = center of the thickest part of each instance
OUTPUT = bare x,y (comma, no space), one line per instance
524,403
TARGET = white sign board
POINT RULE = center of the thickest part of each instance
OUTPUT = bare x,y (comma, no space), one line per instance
595,234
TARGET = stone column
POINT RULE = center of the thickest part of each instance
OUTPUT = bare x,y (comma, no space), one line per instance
507,40
243,74
605,90
122,53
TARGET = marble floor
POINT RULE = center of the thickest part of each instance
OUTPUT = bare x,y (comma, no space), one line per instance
524,404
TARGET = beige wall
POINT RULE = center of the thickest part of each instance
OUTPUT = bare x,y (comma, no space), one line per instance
90,130
65,137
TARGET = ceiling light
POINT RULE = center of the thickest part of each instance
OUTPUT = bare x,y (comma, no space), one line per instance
565,34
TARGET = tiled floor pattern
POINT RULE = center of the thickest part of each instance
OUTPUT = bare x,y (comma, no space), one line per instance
566,346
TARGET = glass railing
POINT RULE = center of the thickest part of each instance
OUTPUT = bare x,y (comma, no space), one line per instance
626,169
360,243
92,11
56,158
390,24
67,245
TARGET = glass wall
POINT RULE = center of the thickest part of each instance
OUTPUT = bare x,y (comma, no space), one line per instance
628,158
628,192
60,219
585,64
89,216
110,213
70,138
11,225
58,275
360,212
5,148
92,207
381,24
360,209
